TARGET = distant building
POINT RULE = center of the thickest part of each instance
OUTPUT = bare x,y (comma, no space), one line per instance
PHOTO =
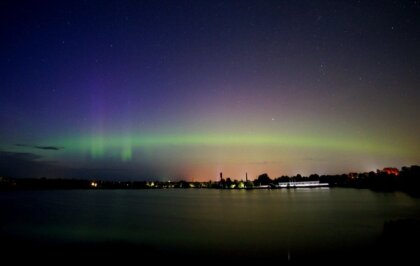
390,171
300,184
353,175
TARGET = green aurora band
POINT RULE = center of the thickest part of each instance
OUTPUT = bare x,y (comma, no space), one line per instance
98,146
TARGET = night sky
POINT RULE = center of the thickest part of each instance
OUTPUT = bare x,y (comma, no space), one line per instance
187,89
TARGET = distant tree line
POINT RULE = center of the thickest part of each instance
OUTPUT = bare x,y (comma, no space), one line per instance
407,180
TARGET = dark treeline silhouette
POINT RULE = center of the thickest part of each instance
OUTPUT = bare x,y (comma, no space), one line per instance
389,179
45,183
407,180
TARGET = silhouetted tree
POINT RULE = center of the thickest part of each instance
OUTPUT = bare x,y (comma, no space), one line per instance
228,182
263,179
222,183
410,180
314,177
282,179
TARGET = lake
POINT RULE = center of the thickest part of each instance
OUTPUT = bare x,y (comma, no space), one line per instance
288,224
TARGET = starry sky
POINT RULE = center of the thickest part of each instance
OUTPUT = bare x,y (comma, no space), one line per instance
140,90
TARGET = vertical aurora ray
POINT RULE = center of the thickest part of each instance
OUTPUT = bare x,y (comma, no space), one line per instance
97,147
126,151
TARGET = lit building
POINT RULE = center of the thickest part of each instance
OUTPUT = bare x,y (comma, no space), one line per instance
391,171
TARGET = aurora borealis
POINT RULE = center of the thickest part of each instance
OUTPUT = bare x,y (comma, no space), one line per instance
188,89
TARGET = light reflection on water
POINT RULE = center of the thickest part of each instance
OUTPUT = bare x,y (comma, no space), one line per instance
204,219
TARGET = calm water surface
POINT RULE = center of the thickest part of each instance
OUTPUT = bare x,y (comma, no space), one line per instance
197,220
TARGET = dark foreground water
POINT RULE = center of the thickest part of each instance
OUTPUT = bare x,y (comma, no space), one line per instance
286,225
